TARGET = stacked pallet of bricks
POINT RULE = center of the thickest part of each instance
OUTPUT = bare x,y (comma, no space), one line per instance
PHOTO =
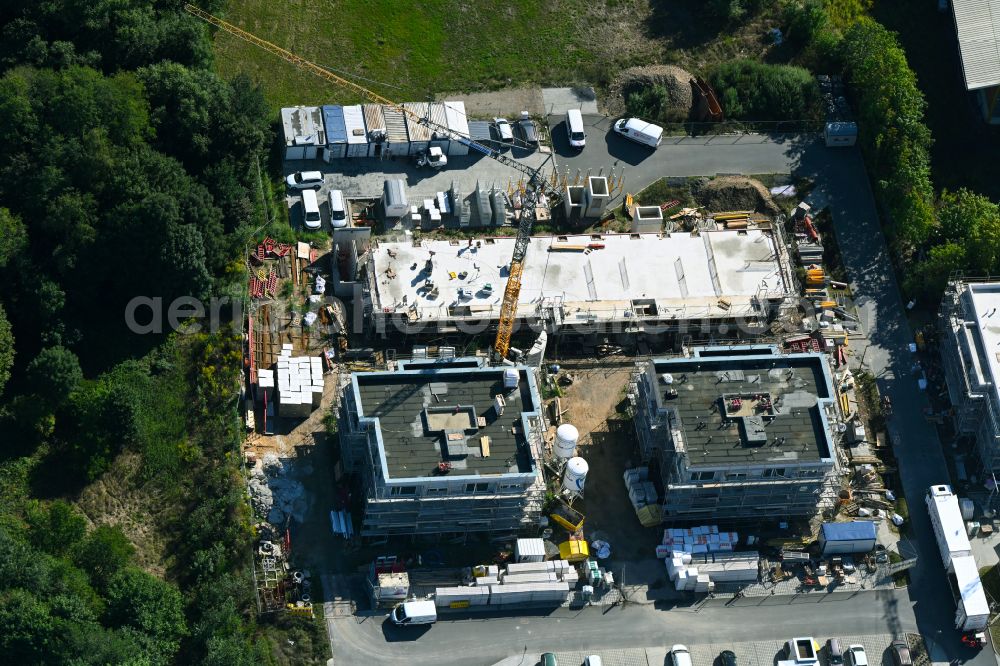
695,540
300,383
643,496
697,558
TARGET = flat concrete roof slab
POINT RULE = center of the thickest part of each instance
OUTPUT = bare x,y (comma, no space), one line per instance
687,275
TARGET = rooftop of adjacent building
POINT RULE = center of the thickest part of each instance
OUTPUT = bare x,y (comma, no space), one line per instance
747,410
983,312
714,273
434,416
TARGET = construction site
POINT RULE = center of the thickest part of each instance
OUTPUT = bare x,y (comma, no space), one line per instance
493,351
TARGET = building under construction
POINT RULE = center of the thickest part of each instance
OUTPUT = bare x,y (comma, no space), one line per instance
738,433
631,283
969,343
444,447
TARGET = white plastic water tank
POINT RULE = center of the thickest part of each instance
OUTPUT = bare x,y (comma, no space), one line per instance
566,438
575,475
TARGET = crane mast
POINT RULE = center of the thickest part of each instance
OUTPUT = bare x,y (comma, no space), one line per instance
536,182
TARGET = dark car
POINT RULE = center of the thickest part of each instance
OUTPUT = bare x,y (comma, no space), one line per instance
727,658
528,129
901,654
549,659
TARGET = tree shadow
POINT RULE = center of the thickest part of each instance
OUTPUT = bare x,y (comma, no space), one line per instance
685,23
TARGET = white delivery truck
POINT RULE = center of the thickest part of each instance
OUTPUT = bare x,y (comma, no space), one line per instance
414,612
640,131
973,611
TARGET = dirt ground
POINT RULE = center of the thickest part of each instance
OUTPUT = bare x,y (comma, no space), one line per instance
607,443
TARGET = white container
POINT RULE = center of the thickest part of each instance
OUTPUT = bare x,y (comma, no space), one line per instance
566,438
529,550
510,379
575,475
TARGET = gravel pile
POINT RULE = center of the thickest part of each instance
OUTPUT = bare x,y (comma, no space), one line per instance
275,495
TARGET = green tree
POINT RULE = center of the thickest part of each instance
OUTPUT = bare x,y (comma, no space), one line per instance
103,553
55,527
13,236
891,128
973,221
53,374
29,631
6,349
144,602
928,278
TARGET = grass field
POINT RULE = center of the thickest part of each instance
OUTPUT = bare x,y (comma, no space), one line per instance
434,45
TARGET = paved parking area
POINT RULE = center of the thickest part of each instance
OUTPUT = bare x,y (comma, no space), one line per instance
755,653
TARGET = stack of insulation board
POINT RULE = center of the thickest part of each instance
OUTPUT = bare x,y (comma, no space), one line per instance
300,383
641,490
700,573
540,572
461,596
265,383
528,593
701,539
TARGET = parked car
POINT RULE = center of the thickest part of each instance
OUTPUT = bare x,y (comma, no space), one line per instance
528,129
549,659
680,656
593,660
727,658
338,209
901,654
504,129
835,652
305,180
310,210
574,129
856,655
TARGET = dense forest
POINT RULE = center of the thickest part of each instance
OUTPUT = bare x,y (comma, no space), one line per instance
127,168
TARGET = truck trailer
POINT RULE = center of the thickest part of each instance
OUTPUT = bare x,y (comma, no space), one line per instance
973,611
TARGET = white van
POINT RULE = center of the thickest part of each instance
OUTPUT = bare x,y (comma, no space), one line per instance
338,209
414,612
574,129
640,131
310,210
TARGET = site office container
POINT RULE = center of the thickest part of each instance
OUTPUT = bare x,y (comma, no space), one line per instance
420,134
439,118
397,139
375,124
357,133
336,132
458,123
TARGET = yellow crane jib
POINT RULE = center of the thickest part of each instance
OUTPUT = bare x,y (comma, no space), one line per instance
536,181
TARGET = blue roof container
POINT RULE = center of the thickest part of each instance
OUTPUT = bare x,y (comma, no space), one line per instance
854,531
336,133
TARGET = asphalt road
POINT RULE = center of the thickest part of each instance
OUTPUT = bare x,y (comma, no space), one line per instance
676,156
842,184
485,639
925,606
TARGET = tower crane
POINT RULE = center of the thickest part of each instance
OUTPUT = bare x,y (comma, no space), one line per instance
537,183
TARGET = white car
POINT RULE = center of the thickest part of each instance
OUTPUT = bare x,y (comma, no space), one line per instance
338,209
680,656
504,129
593,660
856,656
305,180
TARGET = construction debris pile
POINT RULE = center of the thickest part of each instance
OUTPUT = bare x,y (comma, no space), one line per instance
274,494
264,283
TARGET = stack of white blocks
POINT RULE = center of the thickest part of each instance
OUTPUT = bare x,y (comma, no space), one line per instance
552,571
300,383
265,383
681,545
